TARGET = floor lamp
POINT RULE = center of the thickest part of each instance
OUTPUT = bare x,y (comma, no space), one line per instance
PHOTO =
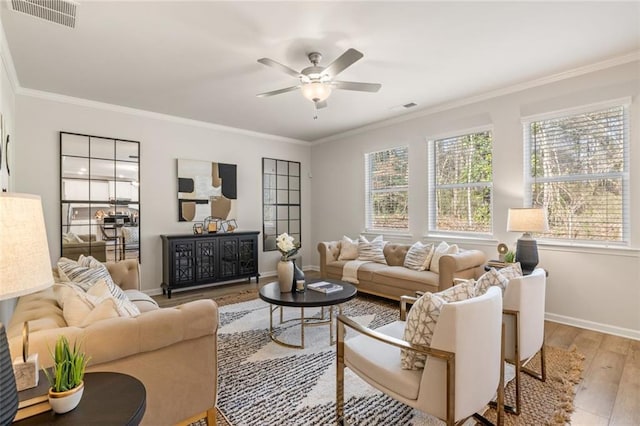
527,220
25,267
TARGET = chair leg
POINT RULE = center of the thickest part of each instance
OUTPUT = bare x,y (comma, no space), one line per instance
542,376
340,373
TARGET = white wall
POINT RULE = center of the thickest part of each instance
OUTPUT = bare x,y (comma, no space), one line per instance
162,141
593,288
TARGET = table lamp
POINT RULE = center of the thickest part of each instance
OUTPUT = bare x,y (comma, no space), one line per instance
527,220
25,267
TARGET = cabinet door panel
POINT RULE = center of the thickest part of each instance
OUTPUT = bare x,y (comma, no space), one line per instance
248,263
206,254
184,262
228,257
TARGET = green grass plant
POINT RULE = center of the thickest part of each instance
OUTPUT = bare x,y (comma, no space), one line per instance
69,365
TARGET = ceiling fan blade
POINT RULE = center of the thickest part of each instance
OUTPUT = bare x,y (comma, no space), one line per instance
360,87
345,60
277,92
321,104
271,63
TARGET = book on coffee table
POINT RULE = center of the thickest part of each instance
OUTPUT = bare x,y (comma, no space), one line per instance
324,287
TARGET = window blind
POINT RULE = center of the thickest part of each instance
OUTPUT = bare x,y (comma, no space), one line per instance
461,184
387,189
577,169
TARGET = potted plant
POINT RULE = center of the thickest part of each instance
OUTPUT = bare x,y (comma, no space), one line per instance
65,377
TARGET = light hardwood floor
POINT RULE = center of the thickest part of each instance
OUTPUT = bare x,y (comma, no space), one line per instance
609,393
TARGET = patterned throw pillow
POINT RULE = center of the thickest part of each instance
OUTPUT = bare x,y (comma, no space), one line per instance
85,272
442,249
419,328
512,271
417,256
348,249
493,277
371,250
463,291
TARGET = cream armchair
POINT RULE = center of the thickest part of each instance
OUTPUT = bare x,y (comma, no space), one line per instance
523,307
464,367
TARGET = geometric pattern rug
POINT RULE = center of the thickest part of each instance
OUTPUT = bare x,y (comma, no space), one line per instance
263,383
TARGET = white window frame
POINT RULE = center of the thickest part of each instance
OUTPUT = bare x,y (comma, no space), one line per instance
624,175
368,208
431,185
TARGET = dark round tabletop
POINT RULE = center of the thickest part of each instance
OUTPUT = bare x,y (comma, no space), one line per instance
108,399
270,293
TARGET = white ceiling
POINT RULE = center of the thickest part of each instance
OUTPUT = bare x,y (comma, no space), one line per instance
198,59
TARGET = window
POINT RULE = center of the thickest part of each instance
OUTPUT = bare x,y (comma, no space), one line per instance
387,189
461,184
576,168
280,201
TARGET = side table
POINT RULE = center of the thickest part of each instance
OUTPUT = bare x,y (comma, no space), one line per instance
109,399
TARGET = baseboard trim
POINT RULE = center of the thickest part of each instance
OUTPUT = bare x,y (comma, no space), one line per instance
595,326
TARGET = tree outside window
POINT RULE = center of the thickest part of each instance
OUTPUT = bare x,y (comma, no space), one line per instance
577,170
387,189
462,184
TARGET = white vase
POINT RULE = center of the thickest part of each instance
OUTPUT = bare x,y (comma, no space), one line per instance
285,276
62,402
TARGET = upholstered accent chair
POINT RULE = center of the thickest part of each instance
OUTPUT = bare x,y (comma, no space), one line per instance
523,309
464,366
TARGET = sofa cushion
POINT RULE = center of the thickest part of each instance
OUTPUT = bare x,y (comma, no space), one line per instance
395,254
406,277
104,310
442,249
417,256
372,251
348,249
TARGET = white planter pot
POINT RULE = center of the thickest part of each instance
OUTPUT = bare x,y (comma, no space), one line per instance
62,402
285,276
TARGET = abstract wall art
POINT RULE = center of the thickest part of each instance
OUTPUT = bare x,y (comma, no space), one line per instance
205,189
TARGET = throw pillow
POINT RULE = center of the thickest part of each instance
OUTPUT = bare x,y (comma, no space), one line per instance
103,310
70,238
86,272
512,271
417,256
442,249
348,249
427,260
372,251
419,328
77,305
131,234
103,290
493,277
463,291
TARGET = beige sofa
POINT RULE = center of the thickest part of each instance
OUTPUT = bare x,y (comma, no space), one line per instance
88,247
173,351
394,280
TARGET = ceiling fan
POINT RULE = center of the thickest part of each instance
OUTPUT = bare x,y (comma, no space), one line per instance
316,82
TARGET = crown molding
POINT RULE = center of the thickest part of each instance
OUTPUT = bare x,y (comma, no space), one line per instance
149,114
575,72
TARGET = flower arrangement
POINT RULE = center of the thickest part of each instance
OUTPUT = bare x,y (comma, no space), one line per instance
286,246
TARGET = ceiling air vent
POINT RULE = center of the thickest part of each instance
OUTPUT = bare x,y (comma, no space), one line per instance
410,105
61,12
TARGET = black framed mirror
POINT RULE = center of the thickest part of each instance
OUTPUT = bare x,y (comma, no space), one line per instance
99,197
281,187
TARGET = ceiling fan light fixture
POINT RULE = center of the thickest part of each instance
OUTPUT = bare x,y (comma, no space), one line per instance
316,91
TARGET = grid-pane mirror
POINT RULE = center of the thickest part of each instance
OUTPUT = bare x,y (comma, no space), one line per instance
280,201
99,197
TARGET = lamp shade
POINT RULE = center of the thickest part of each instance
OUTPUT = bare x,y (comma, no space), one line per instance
316,91
25,265
527,220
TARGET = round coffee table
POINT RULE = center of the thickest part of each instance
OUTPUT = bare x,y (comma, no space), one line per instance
271,294
108,399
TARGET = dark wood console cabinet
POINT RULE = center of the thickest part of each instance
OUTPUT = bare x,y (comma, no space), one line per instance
190,260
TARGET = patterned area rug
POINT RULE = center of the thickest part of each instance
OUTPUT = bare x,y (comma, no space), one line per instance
263,383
